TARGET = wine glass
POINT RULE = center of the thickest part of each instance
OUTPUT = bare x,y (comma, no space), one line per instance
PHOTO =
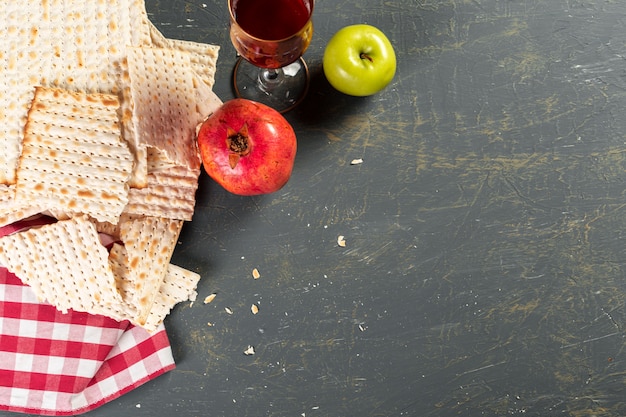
270,37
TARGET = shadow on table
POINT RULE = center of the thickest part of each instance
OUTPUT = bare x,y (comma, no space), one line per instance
324,105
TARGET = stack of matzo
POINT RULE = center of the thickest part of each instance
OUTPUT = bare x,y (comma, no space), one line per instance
97,129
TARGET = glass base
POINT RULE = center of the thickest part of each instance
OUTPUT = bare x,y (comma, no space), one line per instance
282,89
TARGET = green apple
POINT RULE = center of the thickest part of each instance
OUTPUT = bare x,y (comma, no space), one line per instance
359,60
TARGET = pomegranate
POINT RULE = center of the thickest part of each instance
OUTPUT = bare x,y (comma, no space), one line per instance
247,147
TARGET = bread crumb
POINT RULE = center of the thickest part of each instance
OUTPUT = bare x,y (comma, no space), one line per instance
256,274
210,298
341,241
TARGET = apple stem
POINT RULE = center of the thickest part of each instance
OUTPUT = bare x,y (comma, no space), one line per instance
366,56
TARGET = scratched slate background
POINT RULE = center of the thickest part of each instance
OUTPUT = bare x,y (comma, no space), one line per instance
483,273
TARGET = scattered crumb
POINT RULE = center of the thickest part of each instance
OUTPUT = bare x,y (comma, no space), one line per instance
249,351
256,274
362,328
210,324
356,161
138,405
228,310
341,241
254,308
210,298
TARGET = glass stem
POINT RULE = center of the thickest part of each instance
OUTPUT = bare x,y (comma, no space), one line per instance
269,78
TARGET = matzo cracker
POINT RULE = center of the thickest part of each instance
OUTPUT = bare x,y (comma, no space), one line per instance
179,285
163,76
74,158
69,44
98,120
65,265
149,243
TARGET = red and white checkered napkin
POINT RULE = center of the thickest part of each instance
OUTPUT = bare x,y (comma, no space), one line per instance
66,364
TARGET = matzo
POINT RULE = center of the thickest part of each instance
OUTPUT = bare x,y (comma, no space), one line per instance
170,193
65,265
179,285
67,62
68,44
89,37
169,189
164,114
202,56
74,158
149,244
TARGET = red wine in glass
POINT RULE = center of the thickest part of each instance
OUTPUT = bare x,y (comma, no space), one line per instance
271,36
271,19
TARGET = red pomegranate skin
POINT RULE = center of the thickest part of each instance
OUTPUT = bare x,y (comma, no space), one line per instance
247,147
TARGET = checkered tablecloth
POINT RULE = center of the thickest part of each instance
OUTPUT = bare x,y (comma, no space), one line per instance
66,364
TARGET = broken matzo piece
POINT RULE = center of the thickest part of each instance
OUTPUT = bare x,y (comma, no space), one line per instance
164,113
65,265
74,158
179,285
137,73
149,244
203,56
170,190
170,194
